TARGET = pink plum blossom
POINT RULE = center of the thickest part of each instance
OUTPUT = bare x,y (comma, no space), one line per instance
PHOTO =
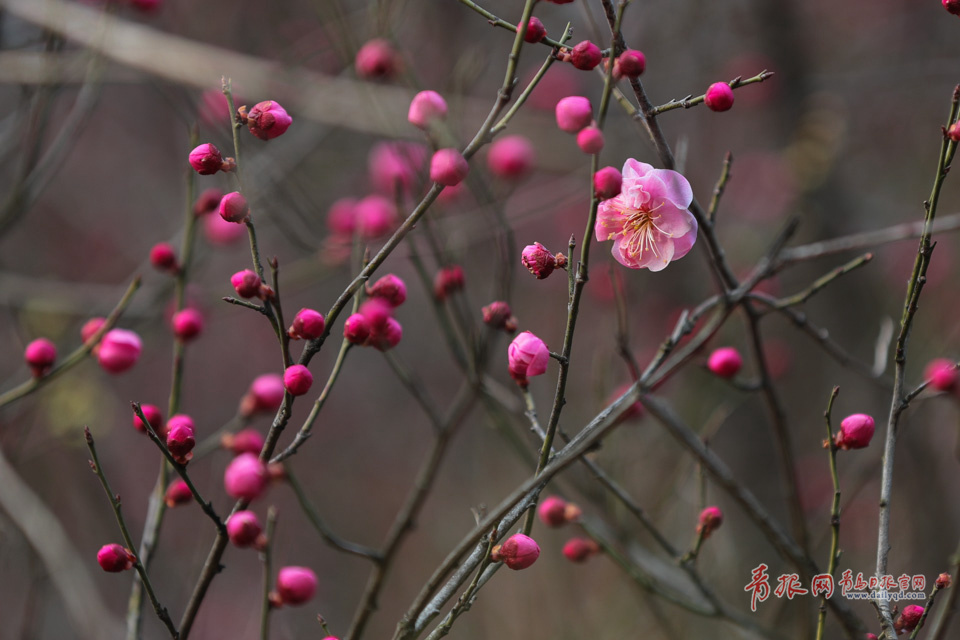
648,222
528,356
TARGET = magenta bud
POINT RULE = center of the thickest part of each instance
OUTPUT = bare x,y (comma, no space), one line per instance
535,30
426,108
719,97
342,217
630,64
178,493
511,157
856,431
725,362
527,356
163,257
220,232
181,437
356,329
943,581
909,618
187,324
391,289
377,311
154,417
206,159
579,549
710,520
448,281
267,120
119,350
496,314
517,552
297,379
552,511
114,558
307,325
296,585
952,6
942,374
40,356
396,166
244,441
208,201
574,113
607,183
233,207
377,59
264,396
953,132
245,477
448,167
376,216
243,529
586,56
538,260
246,283
387,337
590,140
90,327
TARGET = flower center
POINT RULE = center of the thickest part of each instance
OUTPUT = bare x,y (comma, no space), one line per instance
640,230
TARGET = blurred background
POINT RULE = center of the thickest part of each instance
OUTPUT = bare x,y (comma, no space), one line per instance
97,105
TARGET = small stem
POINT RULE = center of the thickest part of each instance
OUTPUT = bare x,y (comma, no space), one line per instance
689,101
834,511
266,557
719,189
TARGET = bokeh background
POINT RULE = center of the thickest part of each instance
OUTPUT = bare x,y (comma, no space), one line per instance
93,149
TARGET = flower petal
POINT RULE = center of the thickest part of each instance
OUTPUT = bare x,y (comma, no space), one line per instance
666,249
635,170
673,187
683,244
672,222
609,220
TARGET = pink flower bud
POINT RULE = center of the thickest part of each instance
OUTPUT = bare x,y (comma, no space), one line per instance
181,437
586,56
572,512
719,97
630,64
953,132
208,201
40,356
113,558
233,207
574,113
855,432
426,108
377,311
206,159
296,585
246,283
244,441
387,337
187,324
245,477
527,356
163,257
377,59
243,529
376,216
909,618
448,281
496,314
590,140
538,260
342,217
267,120
517,552
552,511
119,350
725,362
953,6
307,325
177,493
220,232
391,289
710,520
511,157
90,327
264,396
607,183
943,581
579,549
356,329
941,373
396,166
448,167
535,30
154,416
297,379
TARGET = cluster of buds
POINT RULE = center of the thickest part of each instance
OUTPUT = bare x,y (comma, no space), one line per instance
374,325
540,262
517,552
527,356
498,315
554,511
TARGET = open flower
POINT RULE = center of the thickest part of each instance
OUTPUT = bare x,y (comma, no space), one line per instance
648,222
